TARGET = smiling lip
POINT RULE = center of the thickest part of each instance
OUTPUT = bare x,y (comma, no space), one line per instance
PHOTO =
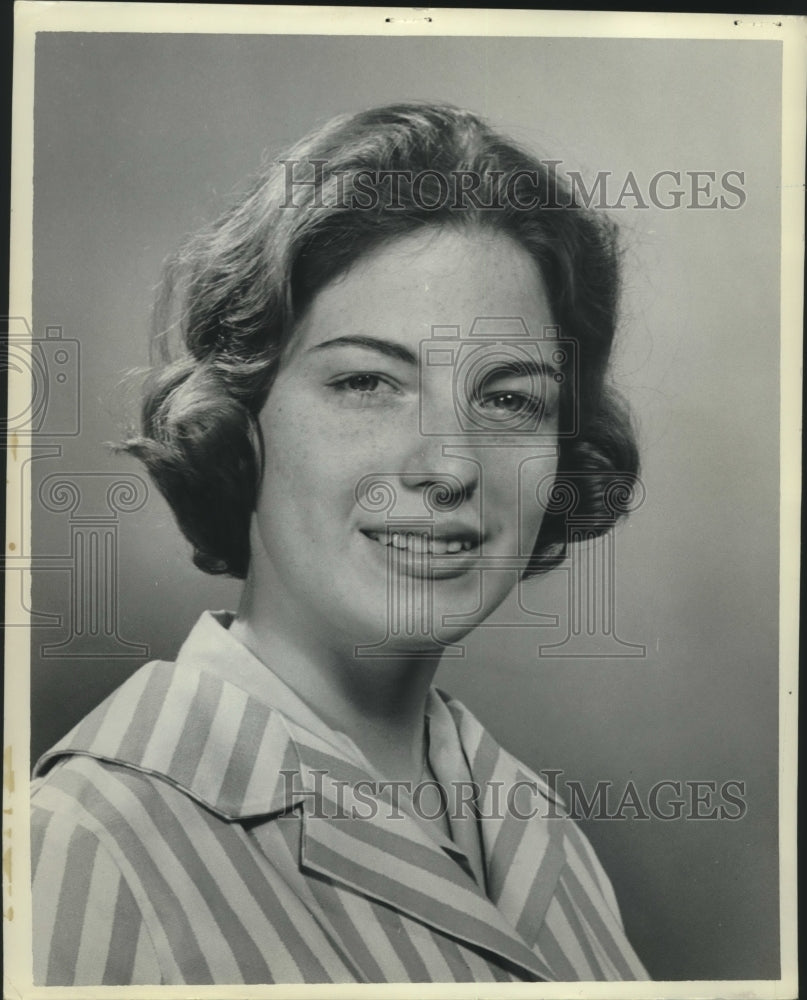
419,544
443,540
454,547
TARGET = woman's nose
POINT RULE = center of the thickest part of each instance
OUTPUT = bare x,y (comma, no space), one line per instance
446,470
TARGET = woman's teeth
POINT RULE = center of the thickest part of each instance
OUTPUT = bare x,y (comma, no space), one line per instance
423,543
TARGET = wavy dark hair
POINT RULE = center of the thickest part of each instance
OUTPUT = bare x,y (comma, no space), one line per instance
235,292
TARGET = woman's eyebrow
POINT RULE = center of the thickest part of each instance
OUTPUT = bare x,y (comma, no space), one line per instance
522,367
386,347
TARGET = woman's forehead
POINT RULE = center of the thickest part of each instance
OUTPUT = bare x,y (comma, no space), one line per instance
440,277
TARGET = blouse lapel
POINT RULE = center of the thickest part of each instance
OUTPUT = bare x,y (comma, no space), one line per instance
396,862
522,829
371,844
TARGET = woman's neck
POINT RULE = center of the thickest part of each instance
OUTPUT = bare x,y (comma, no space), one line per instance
378,702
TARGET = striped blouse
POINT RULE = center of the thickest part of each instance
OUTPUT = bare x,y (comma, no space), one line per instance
203,825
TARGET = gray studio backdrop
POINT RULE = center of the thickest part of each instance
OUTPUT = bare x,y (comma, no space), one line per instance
142,138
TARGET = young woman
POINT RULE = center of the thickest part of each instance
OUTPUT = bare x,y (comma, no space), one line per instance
395,349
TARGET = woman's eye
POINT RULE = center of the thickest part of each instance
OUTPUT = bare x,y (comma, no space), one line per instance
508,403
364,387
362,383
512,402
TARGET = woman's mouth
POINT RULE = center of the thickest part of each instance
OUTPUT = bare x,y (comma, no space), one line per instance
423,544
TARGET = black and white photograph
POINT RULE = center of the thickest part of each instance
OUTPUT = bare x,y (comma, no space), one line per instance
403,472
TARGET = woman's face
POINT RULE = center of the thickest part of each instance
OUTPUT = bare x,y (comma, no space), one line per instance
406,433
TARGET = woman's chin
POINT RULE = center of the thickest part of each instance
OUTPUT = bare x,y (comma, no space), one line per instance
429,649
415,629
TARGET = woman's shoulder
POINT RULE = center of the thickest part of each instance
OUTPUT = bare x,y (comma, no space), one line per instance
113,719
91,924
101,798
88,780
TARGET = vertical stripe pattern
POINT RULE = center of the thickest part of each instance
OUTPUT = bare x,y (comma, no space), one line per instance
168,848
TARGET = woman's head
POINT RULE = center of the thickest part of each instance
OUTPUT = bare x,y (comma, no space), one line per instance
239,293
